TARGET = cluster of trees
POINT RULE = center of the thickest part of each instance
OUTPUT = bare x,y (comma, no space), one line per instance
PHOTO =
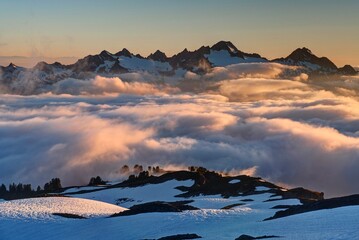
53,186
16,189
95,181
137,169
25,190
141,175
197,169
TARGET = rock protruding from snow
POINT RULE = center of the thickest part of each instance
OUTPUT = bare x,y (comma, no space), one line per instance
248,237
224,53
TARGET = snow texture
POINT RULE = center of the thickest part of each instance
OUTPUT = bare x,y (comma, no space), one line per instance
42,208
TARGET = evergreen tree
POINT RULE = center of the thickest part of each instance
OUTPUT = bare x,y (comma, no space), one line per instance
12,188
3,189
53,185
19,188
96,181
125,169
27,188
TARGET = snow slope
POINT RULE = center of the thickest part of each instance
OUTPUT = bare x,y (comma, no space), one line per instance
223,58
210,224
128,197
42,208
138,64
32,218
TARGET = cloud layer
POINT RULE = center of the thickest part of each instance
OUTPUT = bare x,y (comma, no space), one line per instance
294,132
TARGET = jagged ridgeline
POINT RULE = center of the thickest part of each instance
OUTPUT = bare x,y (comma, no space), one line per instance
200,61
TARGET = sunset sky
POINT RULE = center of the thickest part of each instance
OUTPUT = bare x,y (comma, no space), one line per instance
67,30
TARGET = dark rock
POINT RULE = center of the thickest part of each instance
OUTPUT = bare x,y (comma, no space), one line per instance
318,205
247,200
117,68
205,183
124,52
232,50
157,207
106,55
245,237
180,237
302,194
158,56
191,60
305,55
282,206
69,215
212,183
139,56
87,64
11,66
224,45
232,206
347,70
248,237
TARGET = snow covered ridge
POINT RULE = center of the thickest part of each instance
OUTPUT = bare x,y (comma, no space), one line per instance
201,61
181,205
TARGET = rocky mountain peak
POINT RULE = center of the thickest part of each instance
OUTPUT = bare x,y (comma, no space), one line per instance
225,45
124,52
11,65
105,53
301,54
158,56
348,70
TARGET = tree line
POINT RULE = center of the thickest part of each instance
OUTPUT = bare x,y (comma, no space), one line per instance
21,190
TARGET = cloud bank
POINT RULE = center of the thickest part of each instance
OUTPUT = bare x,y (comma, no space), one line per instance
289,131
102,85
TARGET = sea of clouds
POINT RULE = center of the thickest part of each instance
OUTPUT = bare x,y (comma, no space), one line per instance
267,120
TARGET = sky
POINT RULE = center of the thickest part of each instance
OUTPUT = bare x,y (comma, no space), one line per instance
65,30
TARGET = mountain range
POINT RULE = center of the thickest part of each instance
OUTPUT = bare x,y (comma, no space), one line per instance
199,61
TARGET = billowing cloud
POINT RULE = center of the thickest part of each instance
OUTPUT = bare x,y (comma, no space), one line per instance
246,118
253,89
311,142
103,85
253,70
